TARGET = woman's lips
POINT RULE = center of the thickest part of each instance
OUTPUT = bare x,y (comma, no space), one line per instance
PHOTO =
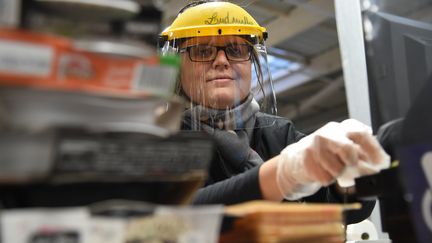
221,81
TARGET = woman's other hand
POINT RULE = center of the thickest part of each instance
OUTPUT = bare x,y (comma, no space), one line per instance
343,150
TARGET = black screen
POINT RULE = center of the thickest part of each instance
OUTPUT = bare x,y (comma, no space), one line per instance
399,61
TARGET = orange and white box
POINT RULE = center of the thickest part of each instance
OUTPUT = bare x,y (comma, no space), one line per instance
49,61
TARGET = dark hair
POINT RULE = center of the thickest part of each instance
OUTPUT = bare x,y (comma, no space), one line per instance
255,60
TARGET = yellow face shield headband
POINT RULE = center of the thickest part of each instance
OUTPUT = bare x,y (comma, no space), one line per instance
214,19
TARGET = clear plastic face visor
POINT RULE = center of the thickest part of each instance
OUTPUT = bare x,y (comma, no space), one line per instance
225,80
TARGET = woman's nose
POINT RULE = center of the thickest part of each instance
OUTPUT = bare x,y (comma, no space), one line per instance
221,59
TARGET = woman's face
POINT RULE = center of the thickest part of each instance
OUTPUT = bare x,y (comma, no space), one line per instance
218,83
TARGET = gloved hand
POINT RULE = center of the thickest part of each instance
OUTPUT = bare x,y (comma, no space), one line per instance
376,157
337,150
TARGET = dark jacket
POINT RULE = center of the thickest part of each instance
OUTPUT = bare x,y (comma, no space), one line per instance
271,135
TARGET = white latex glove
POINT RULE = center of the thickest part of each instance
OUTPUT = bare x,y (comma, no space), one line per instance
346,150
376,160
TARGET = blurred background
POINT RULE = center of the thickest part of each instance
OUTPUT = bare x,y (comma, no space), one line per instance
303,42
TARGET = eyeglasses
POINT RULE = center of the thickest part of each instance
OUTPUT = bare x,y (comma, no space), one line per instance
208,53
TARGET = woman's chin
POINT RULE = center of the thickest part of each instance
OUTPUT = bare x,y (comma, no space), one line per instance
223,102
222,99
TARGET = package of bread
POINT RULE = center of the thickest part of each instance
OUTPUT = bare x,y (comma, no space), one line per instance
262,221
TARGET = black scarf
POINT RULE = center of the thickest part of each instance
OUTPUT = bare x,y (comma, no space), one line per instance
232,130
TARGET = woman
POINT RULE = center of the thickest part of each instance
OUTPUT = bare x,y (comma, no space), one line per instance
259,155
